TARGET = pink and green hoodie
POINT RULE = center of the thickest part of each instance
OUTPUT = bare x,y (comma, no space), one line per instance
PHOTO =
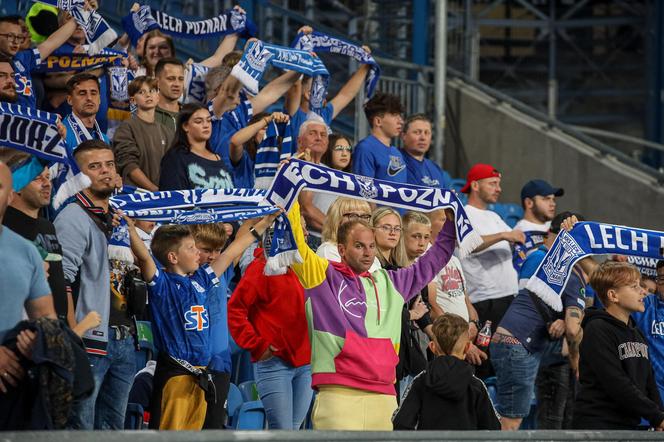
355,320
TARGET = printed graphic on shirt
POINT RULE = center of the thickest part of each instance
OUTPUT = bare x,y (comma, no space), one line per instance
118,271
432,182
657,328
396,165
452,282
200,179
196,318
632,350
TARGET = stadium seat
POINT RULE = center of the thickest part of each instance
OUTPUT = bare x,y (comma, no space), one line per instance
134,417
146,343
457,184
250,416
243,369
233,404
249,391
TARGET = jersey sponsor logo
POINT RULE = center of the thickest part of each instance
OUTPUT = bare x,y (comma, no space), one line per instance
23,85
198,287
196,318
396,165
657,328
431,182
632,350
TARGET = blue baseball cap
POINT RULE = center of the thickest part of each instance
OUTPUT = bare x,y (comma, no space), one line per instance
539,187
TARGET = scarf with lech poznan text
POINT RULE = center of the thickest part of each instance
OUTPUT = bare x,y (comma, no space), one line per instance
585,239
146,19
298,175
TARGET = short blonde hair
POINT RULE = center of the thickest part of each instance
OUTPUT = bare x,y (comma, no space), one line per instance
212,235
411,218
610,275
447,330
398,257
335,215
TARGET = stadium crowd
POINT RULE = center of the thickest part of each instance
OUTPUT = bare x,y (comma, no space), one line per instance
382,325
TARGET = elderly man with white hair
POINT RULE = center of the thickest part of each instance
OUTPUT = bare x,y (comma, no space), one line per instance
312,139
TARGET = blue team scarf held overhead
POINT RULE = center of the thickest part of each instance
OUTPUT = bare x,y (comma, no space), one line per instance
585,239
146,19
194,83
298,175
203,206
534,239
276,146
320,42
35,132
64,61
257,55
98,33
647,266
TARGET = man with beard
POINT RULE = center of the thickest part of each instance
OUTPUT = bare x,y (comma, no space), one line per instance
490,276
7,81
83,95
538,199
84,228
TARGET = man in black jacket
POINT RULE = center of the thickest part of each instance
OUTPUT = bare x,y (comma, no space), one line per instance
617,384
447,396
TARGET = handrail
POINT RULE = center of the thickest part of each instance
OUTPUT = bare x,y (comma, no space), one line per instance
621,137
565,128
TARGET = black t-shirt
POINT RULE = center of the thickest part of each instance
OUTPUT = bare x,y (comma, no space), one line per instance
42,233
181,169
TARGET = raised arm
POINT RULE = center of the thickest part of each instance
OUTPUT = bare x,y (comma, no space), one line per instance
293,98
226,46
510,236
245,134
243,239
143,258
312,270
349,91
410,280
57,39
273,91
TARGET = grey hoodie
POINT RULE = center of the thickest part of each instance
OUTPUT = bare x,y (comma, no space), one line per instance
85,254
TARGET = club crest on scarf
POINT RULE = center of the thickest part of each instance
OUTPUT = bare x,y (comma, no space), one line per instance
560,258
367,188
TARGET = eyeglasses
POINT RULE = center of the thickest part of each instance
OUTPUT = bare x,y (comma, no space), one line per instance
353,216
13,37
389,229
342,148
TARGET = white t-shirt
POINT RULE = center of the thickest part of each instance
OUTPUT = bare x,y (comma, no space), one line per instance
489,273
330,252
529,226
450,288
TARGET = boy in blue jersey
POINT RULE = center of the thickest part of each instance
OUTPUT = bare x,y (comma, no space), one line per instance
416,139
180,310
651,323
374,156
210,240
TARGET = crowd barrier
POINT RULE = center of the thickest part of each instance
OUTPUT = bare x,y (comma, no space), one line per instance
320,436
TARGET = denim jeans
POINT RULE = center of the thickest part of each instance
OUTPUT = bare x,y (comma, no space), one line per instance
285,392
114,374
516,370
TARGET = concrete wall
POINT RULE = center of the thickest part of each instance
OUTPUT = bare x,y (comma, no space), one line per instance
597,186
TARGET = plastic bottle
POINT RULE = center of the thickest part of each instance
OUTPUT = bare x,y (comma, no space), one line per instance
484,337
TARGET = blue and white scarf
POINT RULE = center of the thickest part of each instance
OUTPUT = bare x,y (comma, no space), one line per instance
534,239
66,184
145,19
647,266
35,132
203,206
320,42
62,61
257,55
194,83
585,239
276,146
298,175
98,33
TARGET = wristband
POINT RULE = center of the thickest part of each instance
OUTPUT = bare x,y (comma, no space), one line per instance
476,322
255,233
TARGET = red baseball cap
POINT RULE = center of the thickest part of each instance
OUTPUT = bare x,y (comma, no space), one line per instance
479,172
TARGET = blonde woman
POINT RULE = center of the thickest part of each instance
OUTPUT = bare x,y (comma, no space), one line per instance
389,243
341,211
